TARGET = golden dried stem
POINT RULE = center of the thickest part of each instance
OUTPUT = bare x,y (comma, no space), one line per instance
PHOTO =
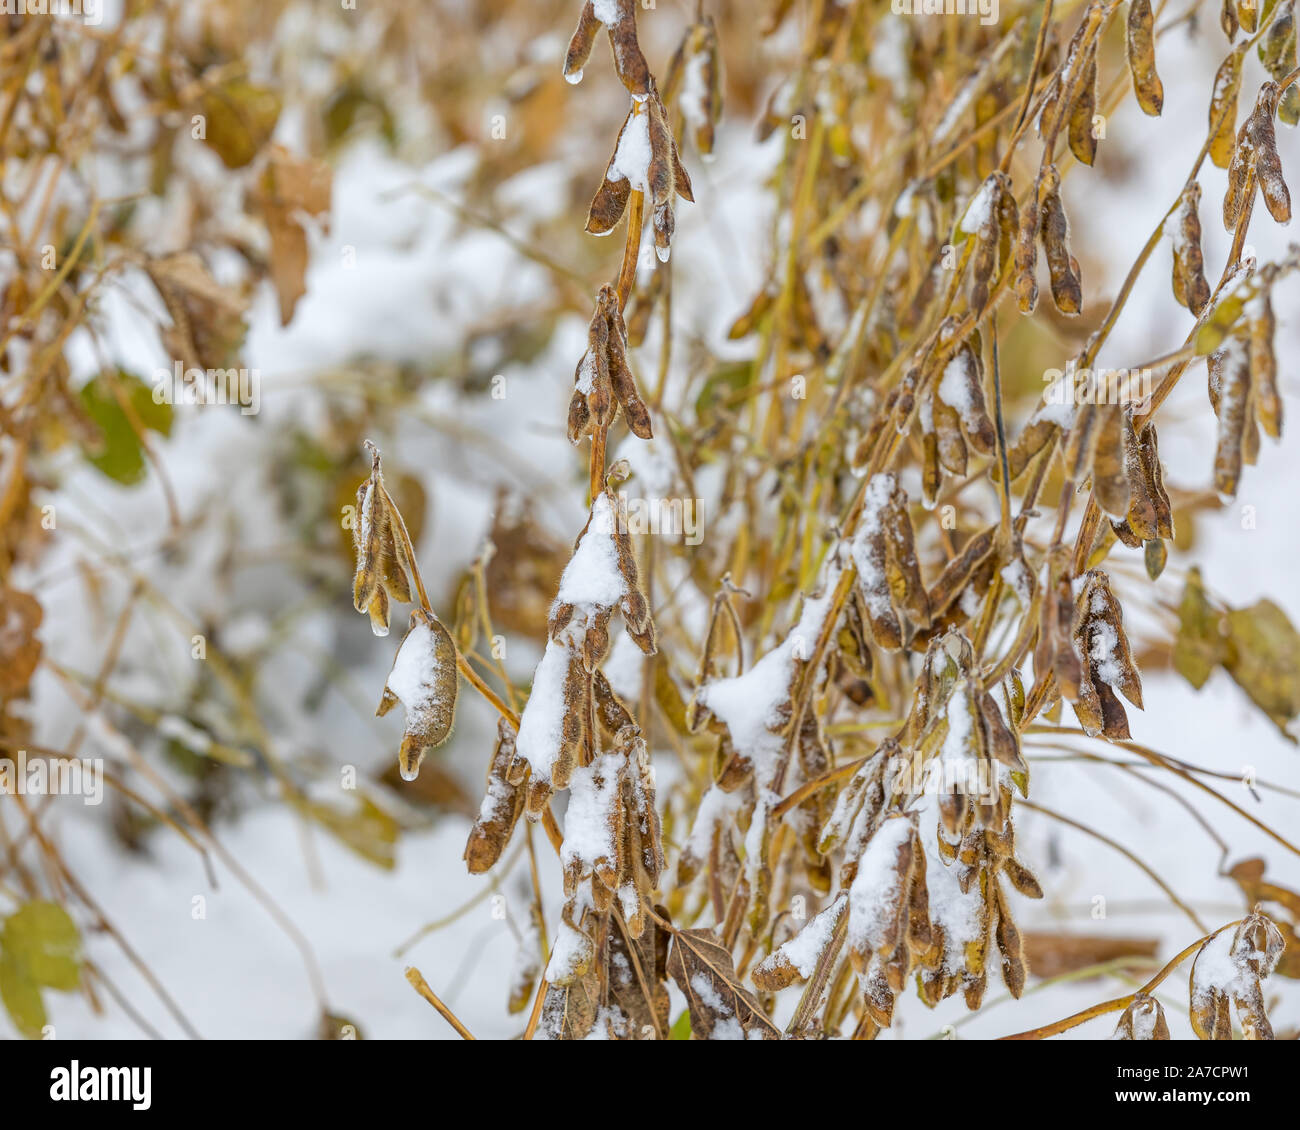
536,1014
1120,1003
631,247
421,986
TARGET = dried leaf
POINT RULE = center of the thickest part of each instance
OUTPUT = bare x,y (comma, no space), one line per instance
721,1007
1263,656
288,187
240,118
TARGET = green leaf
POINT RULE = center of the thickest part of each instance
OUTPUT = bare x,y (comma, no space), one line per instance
44,941
1200,645
240,118
681,1029
1226,314
722,387
119,455
21,997
1264,658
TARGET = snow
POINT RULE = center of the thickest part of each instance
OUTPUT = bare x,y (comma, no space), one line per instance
593,799
979,211
1145,1016
415,678
694,95
541,726
955,385
592,576
805,949
632,157
570,950
1103,647
957,913
726,1026
869,561
1215,967
190,736
875,890
1016,576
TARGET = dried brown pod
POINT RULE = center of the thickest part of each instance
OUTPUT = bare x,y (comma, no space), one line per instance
1140,49
1078,51
1268,165
1228,971
1150,516
1191,289
693,81
1260,326
1110,481
383,565
603,382
619,18
500,810
612,839
1278,53
1010,945
967,575
1228,19
1034,437
993,218
1102,647
884,552
1054,230
954,416
718,1001
1055,654
1082,135
20,649
814,759
1027,247
645,159
859,808
1230,394
880,902
424,680
555,732
797,959
1144,1019
1021,878
1223,107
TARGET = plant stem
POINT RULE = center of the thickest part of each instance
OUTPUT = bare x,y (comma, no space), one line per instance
421,986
